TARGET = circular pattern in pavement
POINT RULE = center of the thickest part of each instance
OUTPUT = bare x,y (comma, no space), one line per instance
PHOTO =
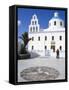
39,73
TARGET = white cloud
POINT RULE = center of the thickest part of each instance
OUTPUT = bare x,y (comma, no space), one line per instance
19,22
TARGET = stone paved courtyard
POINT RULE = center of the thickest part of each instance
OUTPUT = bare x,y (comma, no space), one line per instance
41,67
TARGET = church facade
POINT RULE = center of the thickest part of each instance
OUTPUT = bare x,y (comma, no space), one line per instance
45,42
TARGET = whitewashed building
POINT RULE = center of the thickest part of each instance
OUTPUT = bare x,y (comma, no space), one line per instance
45,42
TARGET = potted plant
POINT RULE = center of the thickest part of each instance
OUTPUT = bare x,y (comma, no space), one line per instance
24,54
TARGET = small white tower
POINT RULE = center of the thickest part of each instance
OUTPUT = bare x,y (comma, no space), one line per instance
34,25
56,14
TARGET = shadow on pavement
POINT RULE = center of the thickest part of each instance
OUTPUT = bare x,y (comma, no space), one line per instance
34,55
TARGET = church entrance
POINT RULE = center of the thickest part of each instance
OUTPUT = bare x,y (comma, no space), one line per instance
53,46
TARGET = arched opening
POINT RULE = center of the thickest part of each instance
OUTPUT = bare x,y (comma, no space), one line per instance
53,46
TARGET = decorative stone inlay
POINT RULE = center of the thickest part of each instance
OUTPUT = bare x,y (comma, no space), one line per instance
39,73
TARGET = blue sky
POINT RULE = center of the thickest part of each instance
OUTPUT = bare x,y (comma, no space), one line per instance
43,15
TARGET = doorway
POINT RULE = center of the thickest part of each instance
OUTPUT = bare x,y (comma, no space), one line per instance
53,46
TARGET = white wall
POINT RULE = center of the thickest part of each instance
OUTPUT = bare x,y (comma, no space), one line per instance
4,24
39,46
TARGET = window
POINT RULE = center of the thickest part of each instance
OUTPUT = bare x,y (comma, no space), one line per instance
32,22
45,37
45,47
54,22
60,47
36,28
34,17
52,37
38,38
32,38
60,37
31,29
35,22
32,47
60,23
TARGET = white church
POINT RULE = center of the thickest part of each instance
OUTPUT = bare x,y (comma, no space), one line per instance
46,41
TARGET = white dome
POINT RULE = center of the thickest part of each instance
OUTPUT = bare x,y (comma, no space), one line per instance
56,21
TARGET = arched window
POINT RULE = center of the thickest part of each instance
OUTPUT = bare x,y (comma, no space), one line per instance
36,28
60,47
38,38
45,47
32,22
33,29
34,17
52,37
45,37
54,22
32,38
60,23
35,22
32,47
60,37
30,29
